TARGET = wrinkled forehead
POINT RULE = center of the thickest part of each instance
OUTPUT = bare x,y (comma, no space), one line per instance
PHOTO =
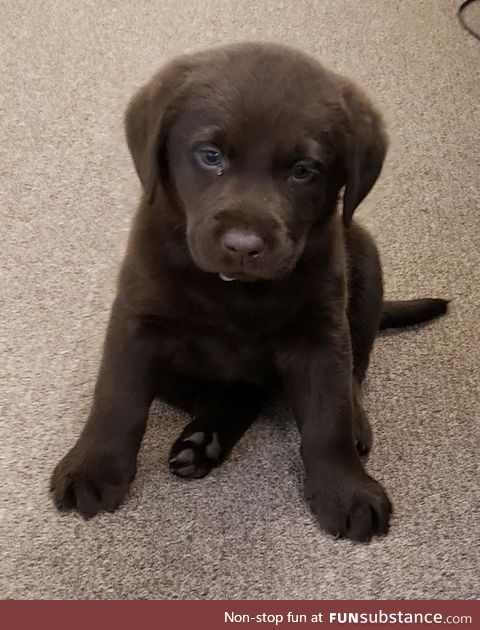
255,113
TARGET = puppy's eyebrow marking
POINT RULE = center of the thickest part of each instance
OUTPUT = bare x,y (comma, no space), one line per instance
311,149
305,149
207,134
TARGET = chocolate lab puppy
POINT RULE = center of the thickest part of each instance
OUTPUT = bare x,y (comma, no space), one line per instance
241,275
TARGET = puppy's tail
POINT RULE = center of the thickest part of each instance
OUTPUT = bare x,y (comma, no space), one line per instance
398,313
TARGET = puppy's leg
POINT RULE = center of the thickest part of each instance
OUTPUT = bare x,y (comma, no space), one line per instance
362,431
364,313
96,473
222,415
318,380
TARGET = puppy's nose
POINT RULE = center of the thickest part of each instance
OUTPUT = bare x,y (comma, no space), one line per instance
243,243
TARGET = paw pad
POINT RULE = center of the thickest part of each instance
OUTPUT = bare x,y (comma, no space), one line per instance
194,455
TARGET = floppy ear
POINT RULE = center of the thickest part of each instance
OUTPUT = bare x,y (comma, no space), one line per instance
365,149
146,122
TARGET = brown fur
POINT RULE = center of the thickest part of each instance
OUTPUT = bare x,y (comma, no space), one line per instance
305,300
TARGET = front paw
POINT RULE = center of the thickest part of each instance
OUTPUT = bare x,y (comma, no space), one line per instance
91,479
349,503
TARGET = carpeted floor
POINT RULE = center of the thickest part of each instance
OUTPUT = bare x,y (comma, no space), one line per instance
68,191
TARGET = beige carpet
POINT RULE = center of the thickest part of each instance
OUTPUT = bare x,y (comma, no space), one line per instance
67,193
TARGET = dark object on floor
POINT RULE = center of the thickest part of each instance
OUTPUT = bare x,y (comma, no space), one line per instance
241,276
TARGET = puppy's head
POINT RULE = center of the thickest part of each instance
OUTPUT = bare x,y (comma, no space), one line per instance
253,143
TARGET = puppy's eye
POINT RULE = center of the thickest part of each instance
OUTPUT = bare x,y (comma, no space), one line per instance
303,172
210,157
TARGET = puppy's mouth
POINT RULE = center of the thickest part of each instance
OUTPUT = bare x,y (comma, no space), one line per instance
258,273
239,277
279,272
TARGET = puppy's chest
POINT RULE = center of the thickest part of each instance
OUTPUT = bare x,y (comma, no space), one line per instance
216,352
218,342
